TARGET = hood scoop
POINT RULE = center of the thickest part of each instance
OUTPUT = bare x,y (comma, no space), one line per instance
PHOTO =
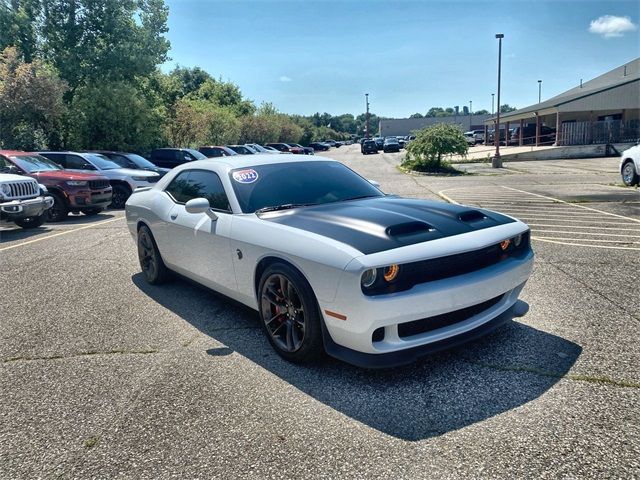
408,228
471,216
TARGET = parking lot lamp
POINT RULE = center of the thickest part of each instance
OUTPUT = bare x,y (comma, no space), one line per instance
496,161
366,96
470,112
539,91
493,97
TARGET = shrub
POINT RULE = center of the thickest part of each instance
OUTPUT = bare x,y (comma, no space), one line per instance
432,146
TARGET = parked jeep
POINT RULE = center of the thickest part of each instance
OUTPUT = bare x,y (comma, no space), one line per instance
88,193
22,201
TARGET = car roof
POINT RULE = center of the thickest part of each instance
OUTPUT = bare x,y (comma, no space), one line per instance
259,159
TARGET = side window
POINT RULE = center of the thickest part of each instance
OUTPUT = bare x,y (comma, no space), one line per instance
77,163
192,184
58,158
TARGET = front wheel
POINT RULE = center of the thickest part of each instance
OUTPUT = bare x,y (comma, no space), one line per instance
289,314
629,175
120,196
31,222
59,210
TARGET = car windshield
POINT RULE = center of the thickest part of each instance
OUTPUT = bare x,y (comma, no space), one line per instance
140,161
100,161
34,163
298,183
196,154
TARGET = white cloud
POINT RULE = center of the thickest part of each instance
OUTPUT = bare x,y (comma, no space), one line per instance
612,26
284,78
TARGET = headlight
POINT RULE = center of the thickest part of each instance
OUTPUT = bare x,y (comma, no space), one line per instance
517,240
390,273
6,189
369,277
43,188
77,183
140,179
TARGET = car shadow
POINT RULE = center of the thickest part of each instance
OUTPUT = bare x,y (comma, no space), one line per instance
438,394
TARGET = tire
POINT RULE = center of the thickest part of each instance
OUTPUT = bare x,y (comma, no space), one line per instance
120,195
153,268
31,222
289,314
59,211
91,211
629,174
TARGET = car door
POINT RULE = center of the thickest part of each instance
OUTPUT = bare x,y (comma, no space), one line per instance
195,243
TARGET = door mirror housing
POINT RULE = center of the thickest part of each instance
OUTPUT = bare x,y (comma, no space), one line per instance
200,205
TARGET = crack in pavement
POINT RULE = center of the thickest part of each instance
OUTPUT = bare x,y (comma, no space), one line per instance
545,373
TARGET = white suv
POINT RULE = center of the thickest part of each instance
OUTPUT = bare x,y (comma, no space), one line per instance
123,180
630,166
22,201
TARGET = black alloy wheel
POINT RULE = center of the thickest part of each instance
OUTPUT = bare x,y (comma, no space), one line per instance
153,268
59,210
120,196
289,314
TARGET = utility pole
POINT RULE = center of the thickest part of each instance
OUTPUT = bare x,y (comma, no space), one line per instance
470,113
493,97
496,162
366,96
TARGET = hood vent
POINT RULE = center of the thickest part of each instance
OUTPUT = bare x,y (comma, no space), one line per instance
408,228
471,216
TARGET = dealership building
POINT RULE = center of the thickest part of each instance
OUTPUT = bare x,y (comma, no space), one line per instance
605,109
406,126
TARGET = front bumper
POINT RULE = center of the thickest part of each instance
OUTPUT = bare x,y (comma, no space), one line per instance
371,337
18,209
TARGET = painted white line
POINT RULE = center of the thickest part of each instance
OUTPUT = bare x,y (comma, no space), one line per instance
586,233
60,234
576,205
592,228
584,245
624,242
558,218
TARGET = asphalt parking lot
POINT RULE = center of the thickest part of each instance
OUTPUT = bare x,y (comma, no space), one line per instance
105,376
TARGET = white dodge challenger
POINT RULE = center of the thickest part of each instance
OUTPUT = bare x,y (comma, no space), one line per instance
329,261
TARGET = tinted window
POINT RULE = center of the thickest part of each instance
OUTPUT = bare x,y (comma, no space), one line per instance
34,163
141,162
163,154
192,184
196,154
120,160
213,152
300,183
76,162
58,158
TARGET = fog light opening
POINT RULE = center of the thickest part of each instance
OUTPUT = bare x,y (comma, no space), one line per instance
378,335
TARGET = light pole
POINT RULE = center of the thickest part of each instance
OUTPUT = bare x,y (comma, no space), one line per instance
366,96
493,97
496,161
470,112
539,91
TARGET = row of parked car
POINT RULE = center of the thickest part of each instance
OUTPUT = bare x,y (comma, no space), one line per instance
386,144
547,136
46,186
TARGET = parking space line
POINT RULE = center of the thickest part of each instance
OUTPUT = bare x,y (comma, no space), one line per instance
585,227
28,242
584,245
592,240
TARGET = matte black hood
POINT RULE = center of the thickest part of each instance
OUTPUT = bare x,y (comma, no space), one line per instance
377,224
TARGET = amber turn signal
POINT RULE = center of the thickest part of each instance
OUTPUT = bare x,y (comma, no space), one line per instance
391,272
505,244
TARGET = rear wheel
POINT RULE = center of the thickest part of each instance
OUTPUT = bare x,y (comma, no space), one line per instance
120,196
59,211
153,268
289,314
31,222
629,175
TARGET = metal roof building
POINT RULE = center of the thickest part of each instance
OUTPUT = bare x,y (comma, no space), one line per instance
605,109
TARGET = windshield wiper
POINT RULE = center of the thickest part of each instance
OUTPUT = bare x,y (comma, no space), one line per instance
358,197
284,206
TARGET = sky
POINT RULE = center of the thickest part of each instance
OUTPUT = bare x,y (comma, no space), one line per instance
309,56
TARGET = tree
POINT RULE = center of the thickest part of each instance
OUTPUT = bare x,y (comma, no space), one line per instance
481,112
185,124
416,115
18,26
113,116
432,145
434,112
506,108
31,106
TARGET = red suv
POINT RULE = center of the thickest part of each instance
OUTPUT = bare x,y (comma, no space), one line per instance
72,191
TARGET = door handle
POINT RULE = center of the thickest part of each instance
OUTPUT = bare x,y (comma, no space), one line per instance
174,216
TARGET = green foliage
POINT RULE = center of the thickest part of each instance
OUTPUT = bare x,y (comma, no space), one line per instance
481,112
428,152
506,108
31,105
416,115
113,115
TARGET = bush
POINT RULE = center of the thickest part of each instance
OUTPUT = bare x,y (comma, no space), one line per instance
432,146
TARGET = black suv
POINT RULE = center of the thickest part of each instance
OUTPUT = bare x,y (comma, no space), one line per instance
368,146
132,160
172,157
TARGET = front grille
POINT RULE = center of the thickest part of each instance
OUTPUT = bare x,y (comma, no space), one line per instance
24,189
429,324
98,184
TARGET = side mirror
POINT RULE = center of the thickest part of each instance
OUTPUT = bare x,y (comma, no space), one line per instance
374,183
200,205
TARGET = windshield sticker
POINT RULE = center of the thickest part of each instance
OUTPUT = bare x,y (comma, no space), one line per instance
245,176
